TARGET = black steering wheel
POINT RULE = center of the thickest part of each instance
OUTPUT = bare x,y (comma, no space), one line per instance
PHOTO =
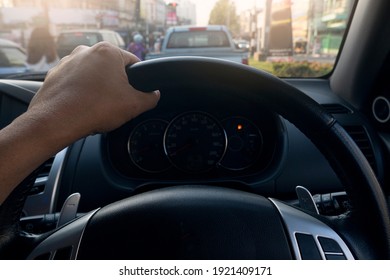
205,222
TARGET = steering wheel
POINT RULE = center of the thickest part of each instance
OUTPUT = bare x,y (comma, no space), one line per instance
208,222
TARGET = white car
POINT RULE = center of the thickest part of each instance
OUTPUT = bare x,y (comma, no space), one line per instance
69,39
12,58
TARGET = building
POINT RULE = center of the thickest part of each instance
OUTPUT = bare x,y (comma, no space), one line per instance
19,17
318,26
186,12
330,30
109,13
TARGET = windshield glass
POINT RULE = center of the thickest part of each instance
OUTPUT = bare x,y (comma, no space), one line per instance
299,38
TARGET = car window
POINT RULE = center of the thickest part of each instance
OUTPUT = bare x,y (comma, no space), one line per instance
78,38
11,57
198,39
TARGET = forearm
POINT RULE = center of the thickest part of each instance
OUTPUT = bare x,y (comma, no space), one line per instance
88,92
24,145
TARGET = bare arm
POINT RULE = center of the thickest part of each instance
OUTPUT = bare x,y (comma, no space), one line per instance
88,92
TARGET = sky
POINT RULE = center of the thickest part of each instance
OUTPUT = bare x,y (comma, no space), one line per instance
204,7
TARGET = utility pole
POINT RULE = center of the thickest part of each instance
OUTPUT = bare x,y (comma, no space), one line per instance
46,17
137,13
267,26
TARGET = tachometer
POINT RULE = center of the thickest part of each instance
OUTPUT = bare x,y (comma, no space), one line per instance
145,146
245,143
195,142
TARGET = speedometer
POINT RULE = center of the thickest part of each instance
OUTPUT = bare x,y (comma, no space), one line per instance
145,146
195,142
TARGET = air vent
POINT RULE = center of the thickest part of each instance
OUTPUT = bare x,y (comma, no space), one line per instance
381,109
362,140
336,109
40,182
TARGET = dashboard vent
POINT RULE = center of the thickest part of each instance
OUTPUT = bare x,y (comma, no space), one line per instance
336,109
362,140
40,181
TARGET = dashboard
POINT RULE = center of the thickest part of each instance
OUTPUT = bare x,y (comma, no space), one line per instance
193,138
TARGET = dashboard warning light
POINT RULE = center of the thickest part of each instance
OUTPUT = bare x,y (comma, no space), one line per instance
240,127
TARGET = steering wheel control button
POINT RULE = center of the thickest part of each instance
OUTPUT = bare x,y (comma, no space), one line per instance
331,249
304,231
332,257
329,245
307,247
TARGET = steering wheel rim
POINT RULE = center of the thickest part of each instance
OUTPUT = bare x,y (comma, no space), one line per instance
365,229
370,212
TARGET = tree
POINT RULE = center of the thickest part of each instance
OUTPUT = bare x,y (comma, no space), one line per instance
224,13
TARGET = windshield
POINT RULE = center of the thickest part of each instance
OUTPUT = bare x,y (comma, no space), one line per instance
299,38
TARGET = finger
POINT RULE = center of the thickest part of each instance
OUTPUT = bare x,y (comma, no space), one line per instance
147,100
128,57
78,49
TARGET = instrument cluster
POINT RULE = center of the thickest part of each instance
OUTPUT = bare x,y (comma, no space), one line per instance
195,144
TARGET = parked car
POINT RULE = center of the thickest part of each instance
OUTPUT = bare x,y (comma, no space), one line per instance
12,58
216,170
68,40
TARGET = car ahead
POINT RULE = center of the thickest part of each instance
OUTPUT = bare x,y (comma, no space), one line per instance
242,45
12,58
70,39
216,170
206,41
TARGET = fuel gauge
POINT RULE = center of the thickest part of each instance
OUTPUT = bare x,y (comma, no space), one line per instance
245,143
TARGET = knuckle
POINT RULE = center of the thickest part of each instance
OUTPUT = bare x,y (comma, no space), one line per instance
104,47
78,49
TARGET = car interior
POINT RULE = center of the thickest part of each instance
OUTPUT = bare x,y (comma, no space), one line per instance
233,163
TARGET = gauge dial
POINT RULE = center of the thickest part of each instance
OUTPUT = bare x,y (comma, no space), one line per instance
195,142
145,146
245,143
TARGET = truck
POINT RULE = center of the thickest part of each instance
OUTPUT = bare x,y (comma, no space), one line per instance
207,41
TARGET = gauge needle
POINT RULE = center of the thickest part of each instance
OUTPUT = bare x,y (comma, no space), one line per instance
186,146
